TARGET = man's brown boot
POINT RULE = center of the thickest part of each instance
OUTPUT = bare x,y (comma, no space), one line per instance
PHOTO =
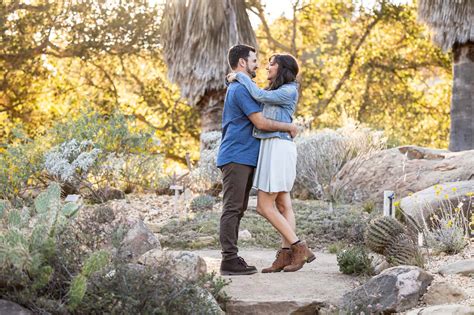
301,254
283,258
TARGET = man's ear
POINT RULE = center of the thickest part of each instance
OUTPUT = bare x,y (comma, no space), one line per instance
242,62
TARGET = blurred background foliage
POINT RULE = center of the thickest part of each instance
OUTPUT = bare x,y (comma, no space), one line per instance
374,64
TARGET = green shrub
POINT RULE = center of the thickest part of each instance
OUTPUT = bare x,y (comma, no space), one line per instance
369,206
137,289
57,268
21,163
354,261
336,247
447,238
202,203
87,154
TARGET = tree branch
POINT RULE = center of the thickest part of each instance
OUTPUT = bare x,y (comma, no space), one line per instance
348,71
257,9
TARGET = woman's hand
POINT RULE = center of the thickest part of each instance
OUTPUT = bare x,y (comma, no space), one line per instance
231,77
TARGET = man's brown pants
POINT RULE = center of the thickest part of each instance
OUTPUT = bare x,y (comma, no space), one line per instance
236,182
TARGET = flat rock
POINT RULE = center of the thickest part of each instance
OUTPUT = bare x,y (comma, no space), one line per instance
10,308
463,267
186,264
396,289
443,293
450,309
315,288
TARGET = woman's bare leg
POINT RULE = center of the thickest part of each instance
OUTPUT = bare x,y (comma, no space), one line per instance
283,204
266,207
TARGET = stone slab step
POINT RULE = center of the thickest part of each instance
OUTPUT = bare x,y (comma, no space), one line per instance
317,286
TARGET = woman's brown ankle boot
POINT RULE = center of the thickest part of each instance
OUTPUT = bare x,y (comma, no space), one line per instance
283,258
301,254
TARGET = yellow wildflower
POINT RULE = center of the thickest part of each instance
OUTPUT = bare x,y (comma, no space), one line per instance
446,196
454,189
470,194
396,203
449,224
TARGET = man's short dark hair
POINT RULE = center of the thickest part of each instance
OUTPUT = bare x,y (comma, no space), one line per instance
238,51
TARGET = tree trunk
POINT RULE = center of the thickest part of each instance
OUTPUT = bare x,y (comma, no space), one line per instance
462,102
210,106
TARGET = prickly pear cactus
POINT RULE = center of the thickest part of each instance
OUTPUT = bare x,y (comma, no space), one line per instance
28,251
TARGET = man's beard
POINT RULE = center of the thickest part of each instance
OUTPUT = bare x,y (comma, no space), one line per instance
253,74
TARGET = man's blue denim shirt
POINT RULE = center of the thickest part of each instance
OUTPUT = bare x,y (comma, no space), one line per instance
237,144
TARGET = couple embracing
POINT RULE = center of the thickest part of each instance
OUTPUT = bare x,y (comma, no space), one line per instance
257,150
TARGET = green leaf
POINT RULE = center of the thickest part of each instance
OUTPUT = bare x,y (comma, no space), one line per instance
38,236
54,192
77,291
4,205
14,218
95,262
70,209
42,203
42,277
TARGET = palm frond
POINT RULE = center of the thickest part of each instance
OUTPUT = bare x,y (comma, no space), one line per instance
452,21
196,36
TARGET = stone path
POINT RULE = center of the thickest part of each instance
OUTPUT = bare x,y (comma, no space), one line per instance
317,286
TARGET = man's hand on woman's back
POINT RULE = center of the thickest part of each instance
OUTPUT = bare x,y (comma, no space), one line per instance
293,130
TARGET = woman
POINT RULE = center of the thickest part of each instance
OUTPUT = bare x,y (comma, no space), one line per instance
276,167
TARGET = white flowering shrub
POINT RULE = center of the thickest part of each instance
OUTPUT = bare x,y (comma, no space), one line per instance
207,177
123,155
71,161
323,153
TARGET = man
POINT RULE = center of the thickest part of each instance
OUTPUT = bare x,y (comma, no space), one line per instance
238,155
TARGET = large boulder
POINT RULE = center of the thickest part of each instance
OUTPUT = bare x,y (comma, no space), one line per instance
137,241
187,265
404,170
396,289
463,267
421,204
10,308
443,293
450,309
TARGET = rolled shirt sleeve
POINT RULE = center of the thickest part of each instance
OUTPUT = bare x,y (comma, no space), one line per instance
282,96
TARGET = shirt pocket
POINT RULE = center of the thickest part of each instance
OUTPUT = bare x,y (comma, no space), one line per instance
272,112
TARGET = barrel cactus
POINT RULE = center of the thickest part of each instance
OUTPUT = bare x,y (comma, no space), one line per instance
390,238
402,251
381,232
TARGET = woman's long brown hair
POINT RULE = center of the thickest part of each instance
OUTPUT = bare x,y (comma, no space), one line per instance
287,70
